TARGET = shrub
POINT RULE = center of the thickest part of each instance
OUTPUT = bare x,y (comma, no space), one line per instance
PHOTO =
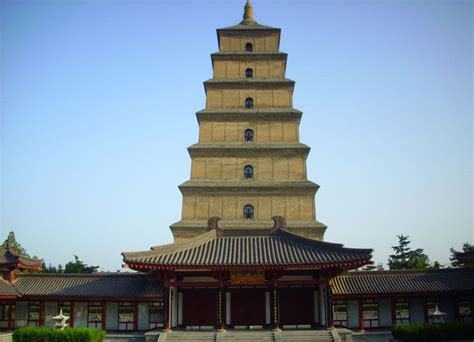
49,334
433,332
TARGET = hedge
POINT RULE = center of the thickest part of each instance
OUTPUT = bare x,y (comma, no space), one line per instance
49,334
433,332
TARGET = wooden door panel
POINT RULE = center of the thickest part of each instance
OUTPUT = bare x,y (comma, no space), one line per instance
296,306
199,307
248,307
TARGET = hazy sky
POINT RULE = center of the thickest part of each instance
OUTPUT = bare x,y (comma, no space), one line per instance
98,101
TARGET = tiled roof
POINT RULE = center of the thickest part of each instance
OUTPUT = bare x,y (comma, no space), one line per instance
9,257
89,285
403,282
231,248
6,289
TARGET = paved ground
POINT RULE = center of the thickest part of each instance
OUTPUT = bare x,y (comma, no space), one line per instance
376,336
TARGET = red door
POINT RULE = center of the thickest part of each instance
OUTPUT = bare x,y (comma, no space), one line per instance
199,307
248,307
296,306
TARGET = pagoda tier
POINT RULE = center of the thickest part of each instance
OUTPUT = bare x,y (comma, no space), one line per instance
249,164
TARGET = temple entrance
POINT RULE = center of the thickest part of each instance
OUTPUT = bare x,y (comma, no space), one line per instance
296,306
248,307
199,307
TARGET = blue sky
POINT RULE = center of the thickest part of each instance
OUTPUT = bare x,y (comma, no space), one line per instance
91,156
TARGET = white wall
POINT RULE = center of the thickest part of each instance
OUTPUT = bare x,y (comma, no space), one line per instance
112,316
80,314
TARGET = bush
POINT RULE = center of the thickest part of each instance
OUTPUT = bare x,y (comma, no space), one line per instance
49,334
433,332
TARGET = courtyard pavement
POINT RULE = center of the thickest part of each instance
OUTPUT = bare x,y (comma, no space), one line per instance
372,336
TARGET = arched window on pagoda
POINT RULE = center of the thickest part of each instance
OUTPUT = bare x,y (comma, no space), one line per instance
248,212
248,73
249,47
248,172
248,135
248,103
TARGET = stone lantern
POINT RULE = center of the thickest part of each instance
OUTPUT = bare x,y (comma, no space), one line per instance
438,316
61,320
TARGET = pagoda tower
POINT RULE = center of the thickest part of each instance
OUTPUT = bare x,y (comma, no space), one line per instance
249,164
247,252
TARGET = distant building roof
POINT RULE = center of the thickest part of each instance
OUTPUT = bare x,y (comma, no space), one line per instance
403,282
105,285
10,259
6,289
274,248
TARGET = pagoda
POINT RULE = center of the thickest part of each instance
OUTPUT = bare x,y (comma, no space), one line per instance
249,164
248,250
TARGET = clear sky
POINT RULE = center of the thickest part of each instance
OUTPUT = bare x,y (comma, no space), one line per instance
98,101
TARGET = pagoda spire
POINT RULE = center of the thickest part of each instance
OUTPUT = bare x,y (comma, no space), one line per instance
248,14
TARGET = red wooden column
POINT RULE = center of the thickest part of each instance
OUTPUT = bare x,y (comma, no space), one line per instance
41,314
167,308
71,315
361,318
425,309
104,316
135,317
274,308
220,309
329,305
457,317
394,312
10,316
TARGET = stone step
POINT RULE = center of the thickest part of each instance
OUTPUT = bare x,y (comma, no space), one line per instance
124,338
250,336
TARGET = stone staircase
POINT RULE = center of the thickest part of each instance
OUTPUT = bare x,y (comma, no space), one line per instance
251,336
198,336
309,336
247,335
111,337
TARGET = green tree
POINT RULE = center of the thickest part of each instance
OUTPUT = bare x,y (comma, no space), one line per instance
14,245
77,266
373,267
436,265
51,269
406,258
466,247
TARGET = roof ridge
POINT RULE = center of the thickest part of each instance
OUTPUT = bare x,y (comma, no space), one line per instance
81,275
407,271
338,247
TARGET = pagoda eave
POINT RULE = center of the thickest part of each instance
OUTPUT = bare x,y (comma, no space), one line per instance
248,187
248,150
260,267
270,83
249,56
249,115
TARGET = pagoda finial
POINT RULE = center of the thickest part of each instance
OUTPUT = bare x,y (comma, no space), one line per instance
248,14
